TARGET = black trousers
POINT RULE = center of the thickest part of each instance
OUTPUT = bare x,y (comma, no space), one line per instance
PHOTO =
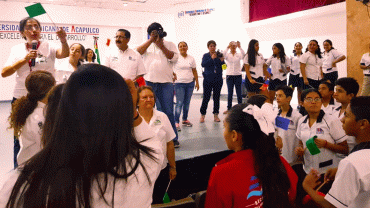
208,87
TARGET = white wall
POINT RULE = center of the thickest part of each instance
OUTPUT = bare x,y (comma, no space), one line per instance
108,21
225,24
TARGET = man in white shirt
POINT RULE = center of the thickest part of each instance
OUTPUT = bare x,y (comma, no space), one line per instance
127,62
351,187
159,59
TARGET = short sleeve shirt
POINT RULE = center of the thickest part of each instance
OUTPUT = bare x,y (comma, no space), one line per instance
184,69
295,69
313,64
328,59
365,61
257,70
46,54
233,62
63,71
275,65
326,127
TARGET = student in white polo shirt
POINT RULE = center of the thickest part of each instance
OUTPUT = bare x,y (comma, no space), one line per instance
331,137
295,77
280,66
127,62
351,186
311,63
326,90
330,59
233,72
255,68
365,65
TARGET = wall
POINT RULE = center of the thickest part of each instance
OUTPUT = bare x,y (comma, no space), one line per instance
358,37
107,20
226,24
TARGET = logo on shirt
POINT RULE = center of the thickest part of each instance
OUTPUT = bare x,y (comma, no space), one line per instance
114,58
131,59
319,131
253,186
291,122
157,122
40,59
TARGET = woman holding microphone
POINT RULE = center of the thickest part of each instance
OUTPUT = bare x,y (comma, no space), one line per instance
32,56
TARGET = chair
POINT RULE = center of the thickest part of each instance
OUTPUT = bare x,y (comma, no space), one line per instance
182,203
200,199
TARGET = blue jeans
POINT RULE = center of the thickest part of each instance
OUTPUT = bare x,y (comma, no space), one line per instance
232,81
184,91
164,100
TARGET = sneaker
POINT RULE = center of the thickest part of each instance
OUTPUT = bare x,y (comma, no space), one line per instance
187,123
176,144
202,117
216,118
225,112
178,128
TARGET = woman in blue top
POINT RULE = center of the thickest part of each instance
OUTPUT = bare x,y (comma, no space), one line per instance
212,80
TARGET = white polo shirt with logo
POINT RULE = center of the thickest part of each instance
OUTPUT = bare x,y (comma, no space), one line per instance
326,127
365,61
313,64
257,70
275,65
327,60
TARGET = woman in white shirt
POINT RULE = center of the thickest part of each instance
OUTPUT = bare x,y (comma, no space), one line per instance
330,59
27,115
280,66
70,64
311,63
186,80
255,68
93,157
90,56
295,77
233,72
161,125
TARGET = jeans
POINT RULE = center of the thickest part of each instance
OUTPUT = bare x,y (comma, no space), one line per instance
184,91
231,81
208,87
164,93
17,146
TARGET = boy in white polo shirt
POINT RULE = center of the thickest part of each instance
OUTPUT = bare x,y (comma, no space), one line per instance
351,187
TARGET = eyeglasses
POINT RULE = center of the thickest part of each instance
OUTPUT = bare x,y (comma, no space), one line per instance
119,37
29,27
310,100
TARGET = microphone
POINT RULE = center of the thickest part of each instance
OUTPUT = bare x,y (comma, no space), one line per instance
34,47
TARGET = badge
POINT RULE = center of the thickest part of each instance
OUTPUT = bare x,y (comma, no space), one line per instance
114,58
157,122
319,131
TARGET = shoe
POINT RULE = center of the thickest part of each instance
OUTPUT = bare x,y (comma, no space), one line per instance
216,118
176,144
225,112
178,127
187,123
202,117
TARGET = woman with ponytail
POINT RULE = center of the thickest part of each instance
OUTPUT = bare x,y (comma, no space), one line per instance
27,115
70,64
255,174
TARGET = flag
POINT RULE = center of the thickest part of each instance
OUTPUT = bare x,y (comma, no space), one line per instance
108,42
265,85
96,49
282,123
35,10
166,198
311,146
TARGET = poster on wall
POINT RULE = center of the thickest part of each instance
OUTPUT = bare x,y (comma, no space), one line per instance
195,12
76,33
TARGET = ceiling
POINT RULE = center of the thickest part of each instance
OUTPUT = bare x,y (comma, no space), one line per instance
156,6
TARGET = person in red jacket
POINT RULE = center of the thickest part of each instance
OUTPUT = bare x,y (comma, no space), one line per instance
255,175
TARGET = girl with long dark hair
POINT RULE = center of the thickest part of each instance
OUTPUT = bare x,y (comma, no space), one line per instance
255,68
92,157
331,57
295,77
27,116
311,63
238,180
90,56
280,66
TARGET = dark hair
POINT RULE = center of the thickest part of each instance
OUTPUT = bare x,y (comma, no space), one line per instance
83,52
211,42
127,33
281,52
183,42
269,169
90,140
288,91
53,96
360,107
94,55
145,87
305,93
349,84
38,84
158,27
318,50
330,43
258,100
328,84
23,23
252,52
295,52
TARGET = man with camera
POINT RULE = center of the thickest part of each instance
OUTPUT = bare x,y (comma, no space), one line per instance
159,58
